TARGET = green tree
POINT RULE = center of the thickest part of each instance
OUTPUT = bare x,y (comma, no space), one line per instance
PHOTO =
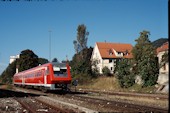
42,61
7,74
81,62
28,59
75,46
81,65
82,36
144,56
124,73
55,60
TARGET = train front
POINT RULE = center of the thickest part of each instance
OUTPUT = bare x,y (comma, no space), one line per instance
62,76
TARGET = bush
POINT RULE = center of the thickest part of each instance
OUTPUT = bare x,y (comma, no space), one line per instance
82,79
124,75
106,71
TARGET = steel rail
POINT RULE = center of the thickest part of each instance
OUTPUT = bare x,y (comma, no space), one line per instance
129,106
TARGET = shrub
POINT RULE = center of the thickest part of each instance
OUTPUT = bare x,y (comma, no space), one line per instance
123,73
106,71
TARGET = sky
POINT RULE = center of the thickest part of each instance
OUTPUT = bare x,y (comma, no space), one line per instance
27,25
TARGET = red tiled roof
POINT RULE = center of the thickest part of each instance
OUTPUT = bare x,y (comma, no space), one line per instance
164,47
105,47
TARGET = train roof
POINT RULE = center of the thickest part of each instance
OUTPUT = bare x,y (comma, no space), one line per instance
56,64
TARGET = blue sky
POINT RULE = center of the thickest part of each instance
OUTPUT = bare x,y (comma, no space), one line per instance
26,25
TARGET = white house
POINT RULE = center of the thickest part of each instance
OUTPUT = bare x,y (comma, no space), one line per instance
13,58
164,70
106,54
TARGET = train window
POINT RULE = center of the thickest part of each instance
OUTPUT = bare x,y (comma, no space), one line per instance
60,73
60,69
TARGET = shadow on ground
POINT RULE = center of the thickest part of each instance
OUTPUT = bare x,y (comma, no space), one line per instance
62,92
9,93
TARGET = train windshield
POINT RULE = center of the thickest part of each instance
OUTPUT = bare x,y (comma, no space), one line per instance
60,69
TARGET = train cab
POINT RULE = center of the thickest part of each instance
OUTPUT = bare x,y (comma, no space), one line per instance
61,76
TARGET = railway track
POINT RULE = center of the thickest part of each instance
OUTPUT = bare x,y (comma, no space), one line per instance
99,104
106,105
33,105
118,106
129,103
29,103
127,94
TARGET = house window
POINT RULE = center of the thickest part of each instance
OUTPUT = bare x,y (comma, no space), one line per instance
110,60
164,67
110,52
126,52
111,68
118,53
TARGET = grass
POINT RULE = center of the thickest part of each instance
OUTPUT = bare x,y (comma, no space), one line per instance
104,83
6,86
140,89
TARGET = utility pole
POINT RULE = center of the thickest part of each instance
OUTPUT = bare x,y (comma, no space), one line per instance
50,45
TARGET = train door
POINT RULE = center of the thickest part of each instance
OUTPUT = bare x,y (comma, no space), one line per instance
45,75
46,72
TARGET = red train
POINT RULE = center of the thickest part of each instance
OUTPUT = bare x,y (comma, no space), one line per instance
50,76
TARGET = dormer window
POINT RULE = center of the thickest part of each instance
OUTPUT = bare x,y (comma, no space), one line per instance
110,52
118,53
126,52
